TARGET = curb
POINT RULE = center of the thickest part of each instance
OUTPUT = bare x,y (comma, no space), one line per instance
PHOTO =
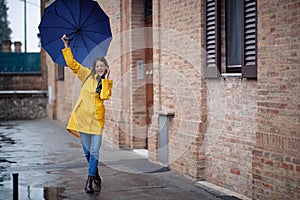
220,192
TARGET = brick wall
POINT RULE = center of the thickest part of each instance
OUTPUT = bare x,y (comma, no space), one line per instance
230,134
276,164
22,82
230,127
67,94
177,84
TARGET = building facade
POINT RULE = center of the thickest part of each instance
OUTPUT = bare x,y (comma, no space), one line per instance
23,84
210,88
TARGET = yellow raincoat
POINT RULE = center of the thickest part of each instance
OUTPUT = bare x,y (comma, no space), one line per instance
89,112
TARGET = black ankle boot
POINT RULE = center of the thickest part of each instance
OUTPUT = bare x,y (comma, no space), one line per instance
89,185
97,179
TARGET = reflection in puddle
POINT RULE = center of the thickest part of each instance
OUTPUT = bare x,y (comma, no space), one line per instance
54,193
7,161
7,126
5,139
47,193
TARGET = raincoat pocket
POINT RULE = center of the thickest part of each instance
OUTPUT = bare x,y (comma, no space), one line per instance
99,114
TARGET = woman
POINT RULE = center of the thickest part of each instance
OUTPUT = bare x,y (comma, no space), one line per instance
87,118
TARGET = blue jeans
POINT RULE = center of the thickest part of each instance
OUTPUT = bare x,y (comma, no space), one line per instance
91,146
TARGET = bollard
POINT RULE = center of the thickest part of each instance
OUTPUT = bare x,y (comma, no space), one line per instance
15,186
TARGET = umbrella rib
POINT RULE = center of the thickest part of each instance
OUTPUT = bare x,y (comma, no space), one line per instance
75,47
54,38
69,12
63,18
92,24
79,22
109,35
84,43
93,40
89,15
57,27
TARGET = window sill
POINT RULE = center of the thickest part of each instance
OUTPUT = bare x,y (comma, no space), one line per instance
23,93
231,75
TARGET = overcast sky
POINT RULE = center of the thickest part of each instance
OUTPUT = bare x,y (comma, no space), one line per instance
16,18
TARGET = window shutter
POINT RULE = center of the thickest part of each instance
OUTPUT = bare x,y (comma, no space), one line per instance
212,43
249,65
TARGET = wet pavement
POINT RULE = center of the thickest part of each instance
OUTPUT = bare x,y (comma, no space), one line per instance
50,165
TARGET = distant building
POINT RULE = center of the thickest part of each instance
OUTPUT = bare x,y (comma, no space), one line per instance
23,83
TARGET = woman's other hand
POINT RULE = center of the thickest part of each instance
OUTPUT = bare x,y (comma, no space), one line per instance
107,73
64,38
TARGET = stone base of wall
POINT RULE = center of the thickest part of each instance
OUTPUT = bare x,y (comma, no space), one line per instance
23,104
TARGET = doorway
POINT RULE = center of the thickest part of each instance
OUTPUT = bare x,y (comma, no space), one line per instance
148,64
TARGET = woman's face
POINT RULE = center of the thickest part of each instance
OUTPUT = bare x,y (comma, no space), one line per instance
100,68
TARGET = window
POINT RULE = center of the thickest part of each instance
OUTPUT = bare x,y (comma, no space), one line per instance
148,8
233,20
240,37
60,72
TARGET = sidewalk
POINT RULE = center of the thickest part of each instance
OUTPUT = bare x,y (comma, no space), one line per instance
51,165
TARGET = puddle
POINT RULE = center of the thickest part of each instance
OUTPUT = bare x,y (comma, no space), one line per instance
47,193
28,192
54,193
7,140
8,126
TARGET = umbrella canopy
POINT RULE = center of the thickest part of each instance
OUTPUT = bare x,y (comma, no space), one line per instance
85,24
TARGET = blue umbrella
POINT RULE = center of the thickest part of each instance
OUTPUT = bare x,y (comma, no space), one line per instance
85,24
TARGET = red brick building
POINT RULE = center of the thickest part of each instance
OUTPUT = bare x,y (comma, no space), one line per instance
210,88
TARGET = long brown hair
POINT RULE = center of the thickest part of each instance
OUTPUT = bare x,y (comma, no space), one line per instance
93,72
